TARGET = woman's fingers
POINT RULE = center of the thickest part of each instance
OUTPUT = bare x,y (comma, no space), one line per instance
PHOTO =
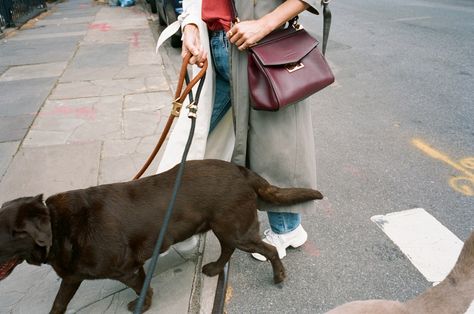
246,34
192,44
198,58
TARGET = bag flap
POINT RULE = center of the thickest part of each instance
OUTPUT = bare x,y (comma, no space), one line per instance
284,46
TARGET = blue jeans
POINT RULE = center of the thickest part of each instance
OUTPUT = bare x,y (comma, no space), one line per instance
283,222
220,59
279,222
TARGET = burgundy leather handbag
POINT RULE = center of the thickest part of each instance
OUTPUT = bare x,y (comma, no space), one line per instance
284,68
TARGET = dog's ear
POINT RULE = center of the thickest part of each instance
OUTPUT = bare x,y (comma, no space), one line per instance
35,221
39,198
39,229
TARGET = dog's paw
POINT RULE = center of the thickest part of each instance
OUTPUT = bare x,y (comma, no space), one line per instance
279,277
211,269
132,304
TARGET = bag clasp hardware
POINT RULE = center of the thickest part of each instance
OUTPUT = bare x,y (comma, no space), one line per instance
292,67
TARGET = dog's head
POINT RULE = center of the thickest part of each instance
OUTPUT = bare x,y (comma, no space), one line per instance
25,233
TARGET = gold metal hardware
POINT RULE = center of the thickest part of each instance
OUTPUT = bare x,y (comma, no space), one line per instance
292,67
298,26
176,107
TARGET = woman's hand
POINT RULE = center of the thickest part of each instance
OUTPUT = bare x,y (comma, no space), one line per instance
192,44
248,33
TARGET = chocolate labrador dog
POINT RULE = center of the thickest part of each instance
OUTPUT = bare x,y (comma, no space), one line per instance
109,231
453,295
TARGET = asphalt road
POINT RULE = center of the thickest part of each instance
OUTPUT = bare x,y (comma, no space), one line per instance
404,71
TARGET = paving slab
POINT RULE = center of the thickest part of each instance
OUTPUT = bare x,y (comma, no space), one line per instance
48,36
14,128
108,13
73,12
100,56
24,72
7,150
76,121
125,24
46,50
143,56
122,159
100,33
25,97
95,62
50,29
175,284
142,70
66,20
110,87
150,121
90,73
50,170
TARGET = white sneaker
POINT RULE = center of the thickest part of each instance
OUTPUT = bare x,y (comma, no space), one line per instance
293,238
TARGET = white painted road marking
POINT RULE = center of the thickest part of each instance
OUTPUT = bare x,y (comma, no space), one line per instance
470,310
431,247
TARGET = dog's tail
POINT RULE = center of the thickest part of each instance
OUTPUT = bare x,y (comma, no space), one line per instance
276,195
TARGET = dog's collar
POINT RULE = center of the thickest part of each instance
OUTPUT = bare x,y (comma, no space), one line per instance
48,247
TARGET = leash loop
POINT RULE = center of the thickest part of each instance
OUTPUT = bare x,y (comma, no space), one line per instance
177,103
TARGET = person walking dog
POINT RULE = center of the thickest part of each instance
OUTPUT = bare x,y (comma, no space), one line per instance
277,145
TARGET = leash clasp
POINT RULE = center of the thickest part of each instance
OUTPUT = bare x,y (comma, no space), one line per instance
192,110
175,111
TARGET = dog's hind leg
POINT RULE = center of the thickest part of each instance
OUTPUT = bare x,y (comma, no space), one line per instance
67,289
214,268
135,281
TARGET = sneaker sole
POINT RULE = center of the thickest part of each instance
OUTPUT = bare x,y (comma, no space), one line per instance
294,245
298,244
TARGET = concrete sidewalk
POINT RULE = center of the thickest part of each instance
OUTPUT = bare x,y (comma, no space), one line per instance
83,100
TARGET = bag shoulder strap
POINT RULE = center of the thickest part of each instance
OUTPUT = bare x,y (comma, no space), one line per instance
327,17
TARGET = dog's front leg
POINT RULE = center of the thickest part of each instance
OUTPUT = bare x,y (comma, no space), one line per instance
66,291
135,281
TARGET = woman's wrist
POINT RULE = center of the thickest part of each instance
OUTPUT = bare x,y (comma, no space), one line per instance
286,11
267,23
191,27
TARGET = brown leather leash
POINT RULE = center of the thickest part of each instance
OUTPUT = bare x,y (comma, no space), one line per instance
180,96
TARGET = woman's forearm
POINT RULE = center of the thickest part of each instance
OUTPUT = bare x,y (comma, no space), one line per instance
248,33
283,13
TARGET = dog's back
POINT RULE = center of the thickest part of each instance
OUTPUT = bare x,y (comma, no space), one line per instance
456,292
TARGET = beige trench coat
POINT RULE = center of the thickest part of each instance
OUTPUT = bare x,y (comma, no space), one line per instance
277,145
